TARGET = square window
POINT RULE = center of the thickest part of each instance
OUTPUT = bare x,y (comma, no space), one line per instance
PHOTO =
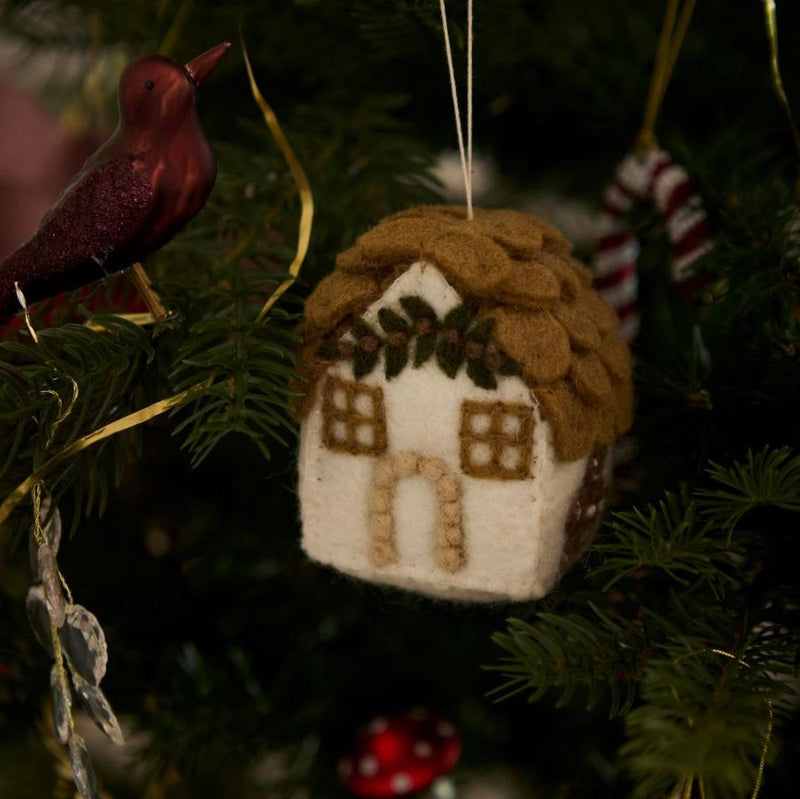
496,440
353,417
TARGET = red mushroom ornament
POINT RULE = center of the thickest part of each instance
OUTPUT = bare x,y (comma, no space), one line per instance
400,755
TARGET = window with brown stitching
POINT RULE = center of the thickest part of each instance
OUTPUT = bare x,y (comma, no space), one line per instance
496,440
353,417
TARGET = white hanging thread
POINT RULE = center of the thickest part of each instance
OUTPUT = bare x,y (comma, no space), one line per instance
24,304
469,108
466,157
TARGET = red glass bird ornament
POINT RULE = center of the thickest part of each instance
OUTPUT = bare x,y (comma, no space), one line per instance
132,195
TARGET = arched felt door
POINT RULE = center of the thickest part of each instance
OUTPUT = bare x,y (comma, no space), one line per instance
449,545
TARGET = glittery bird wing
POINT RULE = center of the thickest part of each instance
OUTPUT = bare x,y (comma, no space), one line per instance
92,230
102,213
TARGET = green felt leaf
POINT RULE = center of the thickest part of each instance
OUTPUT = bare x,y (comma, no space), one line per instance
392,322
329,349
459,317
364,362
449,356
361,329
425,347
417,308
509,368
480,332
480,375
396,359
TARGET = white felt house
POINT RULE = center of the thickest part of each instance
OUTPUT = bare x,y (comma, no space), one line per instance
463,385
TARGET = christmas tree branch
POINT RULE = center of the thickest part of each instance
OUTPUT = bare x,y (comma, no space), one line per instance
683,588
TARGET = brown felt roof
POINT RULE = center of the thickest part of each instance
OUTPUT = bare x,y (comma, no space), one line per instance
519,271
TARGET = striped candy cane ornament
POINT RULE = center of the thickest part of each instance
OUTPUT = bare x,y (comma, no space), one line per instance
685,218
652,176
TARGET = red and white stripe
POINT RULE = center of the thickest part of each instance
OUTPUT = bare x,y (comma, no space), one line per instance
617,250
684,215
638,179
615,278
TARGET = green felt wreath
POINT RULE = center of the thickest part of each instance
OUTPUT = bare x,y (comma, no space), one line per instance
453,341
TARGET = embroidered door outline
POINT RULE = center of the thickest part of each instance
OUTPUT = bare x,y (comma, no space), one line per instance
450,552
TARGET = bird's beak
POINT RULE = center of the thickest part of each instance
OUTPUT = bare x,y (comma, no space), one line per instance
201,67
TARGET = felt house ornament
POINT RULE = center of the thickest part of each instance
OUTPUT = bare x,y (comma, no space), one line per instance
463,383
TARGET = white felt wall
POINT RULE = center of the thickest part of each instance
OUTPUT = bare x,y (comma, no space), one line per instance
514,529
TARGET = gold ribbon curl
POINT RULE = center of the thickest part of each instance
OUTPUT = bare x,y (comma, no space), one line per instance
777,81
683,789
673,32
106,431
300,179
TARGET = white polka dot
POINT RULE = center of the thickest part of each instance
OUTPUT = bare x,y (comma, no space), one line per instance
401,783
445,729
368,766
379,724
423,749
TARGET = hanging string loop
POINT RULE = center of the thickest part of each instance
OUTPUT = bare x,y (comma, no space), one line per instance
466,154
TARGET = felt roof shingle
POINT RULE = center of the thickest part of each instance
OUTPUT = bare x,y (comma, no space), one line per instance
518,272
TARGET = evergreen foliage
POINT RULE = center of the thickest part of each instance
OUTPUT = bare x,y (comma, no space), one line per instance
663,654
686,641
